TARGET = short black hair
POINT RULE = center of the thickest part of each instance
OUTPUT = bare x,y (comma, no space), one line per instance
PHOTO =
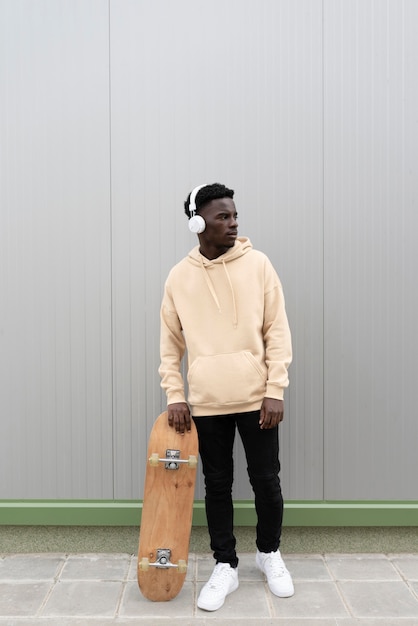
206,194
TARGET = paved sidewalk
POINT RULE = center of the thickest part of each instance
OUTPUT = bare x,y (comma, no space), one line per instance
92,589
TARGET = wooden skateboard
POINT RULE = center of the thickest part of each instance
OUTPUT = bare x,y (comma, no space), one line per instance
167,510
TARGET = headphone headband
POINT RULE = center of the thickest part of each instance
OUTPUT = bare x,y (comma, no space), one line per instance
192,201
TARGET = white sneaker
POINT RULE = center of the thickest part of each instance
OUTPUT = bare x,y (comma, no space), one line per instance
224,580
278,578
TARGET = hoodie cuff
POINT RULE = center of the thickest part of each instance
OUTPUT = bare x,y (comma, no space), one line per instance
175,396
273,391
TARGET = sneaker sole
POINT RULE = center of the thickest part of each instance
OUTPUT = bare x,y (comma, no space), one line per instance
288,594
215,607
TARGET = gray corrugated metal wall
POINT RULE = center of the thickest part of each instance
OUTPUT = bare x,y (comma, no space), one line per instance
110,113
56,351
370,222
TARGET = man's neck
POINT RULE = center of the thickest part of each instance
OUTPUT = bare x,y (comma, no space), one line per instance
212,253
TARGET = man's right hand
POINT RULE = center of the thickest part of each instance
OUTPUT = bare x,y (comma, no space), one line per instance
179,417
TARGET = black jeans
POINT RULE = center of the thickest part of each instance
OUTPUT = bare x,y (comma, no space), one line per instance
216,440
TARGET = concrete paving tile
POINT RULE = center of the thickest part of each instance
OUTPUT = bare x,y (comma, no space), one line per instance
319,600
197,621
205,565
386,621
263,621
63,621
95,590
134,604
303,622
309,567
160,621
83,598
191,568
407,564
361,567
96,567
380,599
273,621
132,572
101,621
30,567
22,598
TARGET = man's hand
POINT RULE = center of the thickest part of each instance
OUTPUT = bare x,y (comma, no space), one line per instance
272,413
179,417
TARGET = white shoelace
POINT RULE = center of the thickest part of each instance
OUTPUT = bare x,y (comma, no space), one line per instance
275,565
220,576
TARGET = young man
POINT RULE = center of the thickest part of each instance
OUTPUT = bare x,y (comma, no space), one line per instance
224,303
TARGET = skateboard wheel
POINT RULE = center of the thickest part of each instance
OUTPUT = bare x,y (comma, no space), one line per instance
182,566
144,564
192,461
154,459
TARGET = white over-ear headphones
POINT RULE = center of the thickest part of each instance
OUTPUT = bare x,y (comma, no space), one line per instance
196,222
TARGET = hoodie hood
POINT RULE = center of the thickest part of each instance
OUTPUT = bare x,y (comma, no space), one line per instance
242,246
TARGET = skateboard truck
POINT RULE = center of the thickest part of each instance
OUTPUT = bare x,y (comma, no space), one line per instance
172,460
163,562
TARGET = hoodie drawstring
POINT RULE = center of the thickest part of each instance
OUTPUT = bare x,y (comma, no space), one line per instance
210,285
213,292
235,319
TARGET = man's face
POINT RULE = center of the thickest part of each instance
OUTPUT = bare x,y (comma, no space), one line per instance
221,225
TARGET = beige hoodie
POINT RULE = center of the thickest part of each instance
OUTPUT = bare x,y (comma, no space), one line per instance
230,314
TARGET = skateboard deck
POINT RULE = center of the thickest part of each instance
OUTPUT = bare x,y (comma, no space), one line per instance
167,510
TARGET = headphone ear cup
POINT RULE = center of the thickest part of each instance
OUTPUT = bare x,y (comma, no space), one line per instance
197,224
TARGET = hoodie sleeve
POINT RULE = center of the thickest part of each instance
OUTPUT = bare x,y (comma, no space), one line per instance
172,348
277,337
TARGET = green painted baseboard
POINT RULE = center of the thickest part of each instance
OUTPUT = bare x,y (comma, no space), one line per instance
128,513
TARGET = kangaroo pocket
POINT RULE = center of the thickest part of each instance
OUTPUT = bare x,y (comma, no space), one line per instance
224,379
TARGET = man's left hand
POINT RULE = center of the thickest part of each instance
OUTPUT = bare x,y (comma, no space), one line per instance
272,413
